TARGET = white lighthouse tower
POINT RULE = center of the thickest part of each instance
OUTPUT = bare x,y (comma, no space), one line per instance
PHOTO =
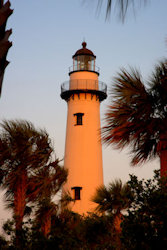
83,151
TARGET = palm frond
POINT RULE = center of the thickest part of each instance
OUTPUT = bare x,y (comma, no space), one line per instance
103,200
24,150
126,112
46,182
114,198
121,7
65,200
137,116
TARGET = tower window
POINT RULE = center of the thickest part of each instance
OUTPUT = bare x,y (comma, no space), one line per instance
79,119
77,192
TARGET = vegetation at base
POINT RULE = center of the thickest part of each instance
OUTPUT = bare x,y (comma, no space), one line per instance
143,223
29,174
128,216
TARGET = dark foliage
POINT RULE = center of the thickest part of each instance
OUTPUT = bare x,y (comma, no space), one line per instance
145,226
5,44
137,116
28,174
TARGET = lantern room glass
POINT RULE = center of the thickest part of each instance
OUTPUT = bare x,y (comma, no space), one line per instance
84,62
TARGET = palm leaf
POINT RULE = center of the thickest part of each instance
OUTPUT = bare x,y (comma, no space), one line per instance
137,116
121,6
114,198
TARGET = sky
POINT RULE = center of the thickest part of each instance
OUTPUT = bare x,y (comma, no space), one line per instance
45,36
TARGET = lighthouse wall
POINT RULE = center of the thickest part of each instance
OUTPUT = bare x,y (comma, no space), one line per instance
83,150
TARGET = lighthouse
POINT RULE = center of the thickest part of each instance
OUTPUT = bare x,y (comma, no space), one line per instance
83,150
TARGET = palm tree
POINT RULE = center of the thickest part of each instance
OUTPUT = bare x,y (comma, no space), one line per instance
113,199
5,12
137,116
23,149
122,6
42,188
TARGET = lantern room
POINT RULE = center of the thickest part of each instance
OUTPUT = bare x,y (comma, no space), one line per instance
84,60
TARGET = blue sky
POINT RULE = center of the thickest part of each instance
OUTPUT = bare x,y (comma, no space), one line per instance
45,36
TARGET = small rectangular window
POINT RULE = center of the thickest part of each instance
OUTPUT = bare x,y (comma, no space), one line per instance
79,119
77,193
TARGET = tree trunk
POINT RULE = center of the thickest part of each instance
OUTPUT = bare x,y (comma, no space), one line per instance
46,224
19,206
117,225
163,162
5,12
117,222
162,150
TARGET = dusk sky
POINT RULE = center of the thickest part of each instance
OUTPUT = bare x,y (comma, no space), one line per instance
45,36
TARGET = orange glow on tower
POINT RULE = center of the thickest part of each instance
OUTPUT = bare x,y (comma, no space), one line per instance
83,151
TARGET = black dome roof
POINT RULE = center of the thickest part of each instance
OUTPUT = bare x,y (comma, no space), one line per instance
84,51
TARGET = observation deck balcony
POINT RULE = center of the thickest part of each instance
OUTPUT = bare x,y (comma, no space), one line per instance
93,87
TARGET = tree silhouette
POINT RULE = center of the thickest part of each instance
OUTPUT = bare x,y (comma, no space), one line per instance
137,116
5,12
42,188
23,150
113,199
